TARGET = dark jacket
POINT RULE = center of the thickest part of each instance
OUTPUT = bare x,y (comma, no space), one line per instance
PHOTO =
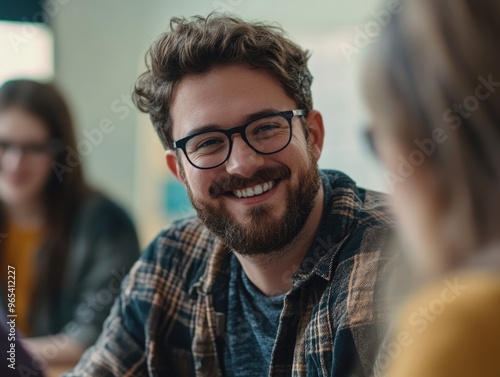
104,246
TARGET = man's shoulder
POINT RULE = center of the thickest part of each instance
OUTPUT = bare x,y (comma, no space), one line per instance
360,226
366,207
361,219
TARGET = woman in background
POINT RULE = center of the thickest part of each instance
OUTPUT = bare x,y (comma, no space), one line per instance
70,246
434,92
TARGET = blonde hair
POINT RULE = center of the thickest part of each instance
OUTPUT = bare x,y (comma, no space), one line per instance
438,67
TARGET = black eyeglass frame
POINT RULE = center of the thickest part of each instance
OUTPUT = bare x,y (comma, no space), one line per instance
288,115
52,146
369,137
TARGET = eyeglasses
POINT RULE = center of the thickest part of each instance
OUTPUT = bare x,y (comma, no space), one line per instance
31,149
266,134
370,141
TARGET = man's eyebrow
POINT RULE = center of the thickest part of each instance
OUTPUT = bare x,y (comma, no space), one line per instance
245,119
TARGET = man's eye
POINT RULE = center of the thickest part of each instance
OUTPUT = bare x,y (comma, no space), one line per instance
210,143
267,128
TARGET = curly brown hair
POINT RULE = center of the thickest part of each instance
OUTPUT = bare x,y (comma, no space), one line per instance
193,46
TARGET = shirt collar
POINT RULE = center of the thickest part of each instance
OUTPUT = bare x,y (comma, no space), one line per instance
340,213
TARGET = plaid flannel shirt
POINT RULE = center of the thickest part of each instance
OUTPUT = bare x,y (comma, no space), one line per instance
169,318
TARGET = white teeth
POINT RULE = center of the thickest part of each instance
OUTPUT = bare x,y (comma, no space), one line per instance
253,191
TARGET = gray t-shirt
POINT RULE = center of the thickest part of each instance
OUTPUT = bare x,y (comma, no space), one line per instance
252,325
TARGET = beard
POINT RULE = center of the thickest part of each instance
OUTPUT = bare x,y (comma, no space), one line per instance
263,234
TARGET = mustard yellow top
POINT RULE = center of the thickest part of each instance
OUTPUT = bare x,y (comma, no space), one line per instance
20,247
450,329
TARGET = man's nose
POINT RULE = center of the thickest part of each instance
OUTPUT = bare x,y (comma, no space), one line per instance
243,161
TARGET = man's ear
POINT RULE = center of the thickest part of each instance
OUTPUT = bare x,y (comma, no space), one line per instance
174,165
316,132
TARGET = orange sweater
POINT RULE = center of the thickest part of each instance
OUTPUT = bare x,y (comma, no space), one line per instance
20,247
450,329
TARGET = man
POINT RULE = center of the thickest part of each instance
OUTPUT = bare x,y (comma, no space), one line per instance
277,273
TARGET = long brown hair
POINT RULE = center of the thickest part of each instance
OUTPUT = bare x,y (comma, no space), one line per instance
62,196
438,70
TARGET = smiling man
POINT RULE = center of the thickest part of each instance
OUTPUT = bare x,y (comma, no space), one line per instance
278,273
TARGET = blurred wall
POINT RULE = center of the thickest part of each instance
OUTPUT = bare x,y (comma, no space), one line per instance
100,47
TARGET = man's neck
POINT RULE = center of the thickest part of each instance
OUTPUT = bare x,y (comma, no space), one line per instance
272,274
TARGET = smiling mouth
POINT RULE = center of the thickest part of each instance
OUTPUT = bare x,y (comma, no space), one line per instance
256,190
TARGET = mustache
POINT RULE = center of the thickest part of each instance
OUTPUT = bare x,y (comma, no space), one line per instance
233,182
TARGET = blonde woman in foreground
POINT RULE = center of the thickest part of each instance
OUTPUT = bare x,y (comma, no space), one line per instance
434,91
